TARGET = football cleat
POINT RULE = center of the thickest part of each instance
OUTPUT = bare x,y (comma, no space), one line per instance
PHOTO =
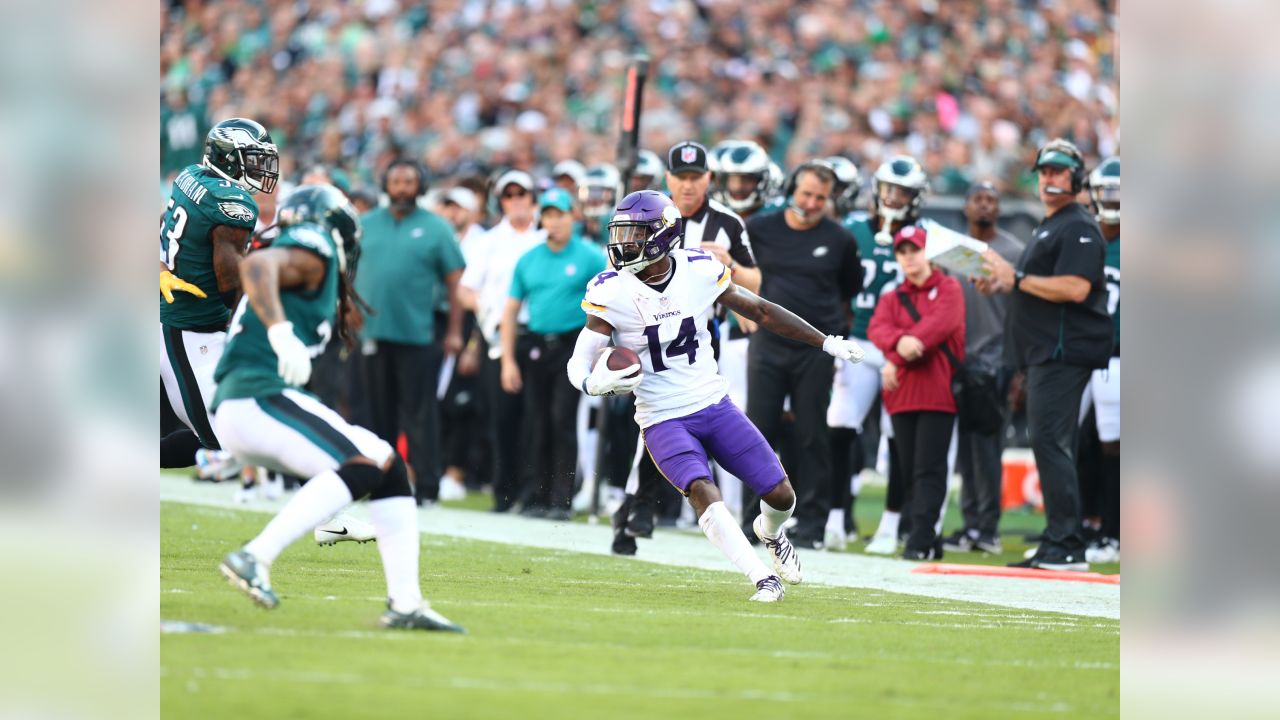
420,618
883,545
245,572
961,541
344,528
769,590
785,560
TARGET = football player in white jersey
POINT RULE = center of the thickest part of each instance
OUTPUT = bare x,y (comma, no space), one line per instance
657,301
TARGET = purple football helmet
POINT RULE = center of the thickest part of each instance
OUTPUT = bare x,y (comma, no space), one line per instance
645,227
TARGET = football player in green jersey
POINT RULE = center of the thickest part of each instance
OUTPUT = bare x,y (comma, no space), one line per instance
298,293
899,187
1104,387
203,235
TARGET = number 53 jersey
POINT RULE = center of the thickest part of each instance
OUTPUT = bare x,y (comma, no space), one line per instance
668,330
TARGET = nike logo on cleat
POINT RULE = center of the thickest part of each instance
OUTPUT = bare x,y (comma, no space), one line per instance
338,532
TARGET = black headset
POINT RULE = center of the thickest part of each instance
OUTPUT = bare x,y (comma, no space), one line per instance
409,163
817,164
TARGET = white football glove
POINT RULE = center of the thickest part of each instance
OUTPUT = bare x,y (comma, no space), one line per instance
604,382
842,349
295,359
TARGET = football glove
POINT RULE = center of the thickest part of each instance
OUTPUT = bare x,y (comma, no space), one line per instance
604,382
170,282
295,359
843,349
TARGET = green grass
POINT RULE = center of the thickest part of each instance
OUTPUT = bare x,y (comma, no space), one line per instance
566,635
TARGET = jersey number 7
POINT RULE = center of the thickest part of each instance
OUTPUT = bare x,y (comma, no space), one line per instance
685,343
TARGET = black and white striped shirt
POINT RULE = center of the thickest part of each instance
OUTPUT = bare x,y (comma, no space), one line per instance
716,223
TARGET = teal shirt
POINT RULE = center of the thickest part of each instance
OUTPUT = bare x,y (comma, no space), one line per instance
402,265
249,367
1112,271
554,283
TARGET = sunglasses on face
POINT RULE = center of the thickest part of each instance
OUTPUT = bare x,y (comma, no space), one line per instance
514,194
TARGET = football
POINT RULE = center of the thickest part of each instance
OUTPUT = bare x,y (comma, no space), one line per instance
622,358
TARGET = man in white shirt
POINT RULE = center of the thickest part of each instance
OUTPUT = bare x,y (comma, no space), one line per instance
483,289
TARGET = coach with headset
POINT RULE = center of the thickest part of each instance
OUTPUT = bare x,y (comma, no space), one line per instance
406,253
810,266
1057,328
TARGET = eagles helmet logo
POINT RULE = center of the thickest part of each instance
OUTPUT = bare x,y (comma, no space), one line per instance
236,211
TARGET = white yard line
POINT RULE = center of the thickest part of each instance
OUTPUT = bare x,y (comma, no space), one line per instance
687,550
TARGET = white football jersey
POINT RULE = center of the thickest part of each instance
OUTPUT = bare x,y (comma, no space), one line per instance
668,330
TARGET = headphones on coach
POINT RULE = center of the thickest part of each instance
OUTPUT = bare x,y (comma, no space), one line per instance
816,164
417,168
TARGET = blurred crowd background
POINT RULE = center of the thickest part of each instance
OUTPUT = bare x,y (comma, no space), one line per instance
466,86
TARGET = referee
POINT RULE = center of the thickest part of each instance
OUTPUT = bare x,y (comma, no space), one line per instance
1058,328
811,267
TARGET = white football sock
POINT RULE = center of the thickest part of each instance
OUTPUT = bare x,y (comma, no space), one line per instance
889,524
318,500
774,518
395,523
835,519
718,525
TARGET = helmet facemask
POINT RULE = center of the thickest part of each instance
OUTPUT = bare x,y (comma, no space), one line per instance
636,244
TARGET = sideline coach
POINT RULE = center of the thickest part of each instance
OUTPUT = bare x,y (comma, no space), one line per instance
1057,328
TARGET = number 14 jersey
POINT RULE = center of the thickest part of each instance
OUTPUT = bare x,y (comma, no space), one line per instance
668,330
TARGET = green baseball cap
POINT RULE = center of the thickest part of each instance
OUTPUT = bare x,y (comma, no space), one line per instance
1055,156
557,198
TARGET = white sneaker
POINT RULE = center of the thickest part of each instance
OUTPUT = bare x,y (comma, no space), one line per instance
273,486
785,561
344,528
768,590
883,545
246,494
1106,550
833,538
451,489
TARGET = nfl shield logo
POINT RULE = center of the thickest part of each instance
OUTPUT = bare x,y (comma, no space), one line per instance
688,154
204,349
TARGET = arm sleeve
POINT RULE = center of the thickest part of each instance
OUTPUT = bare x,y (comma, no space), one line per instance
1082,252
450,257
945,316
589,344
518,290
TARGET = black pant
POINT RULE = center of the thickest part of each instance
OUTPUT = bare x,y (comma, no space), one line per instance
551,415
922,440
505,436
776,369
401,383
1053,411
978,460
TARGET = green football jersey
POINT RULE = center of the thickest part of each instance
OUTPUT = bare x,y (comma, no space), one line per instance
249,367
879,268
1112,273
200,200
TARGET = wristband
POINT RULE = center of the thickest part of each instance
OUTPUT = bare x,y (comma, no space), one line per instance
1017,279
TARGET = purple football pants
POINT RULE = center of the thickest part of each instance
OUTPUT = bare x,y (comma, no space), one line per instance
680,448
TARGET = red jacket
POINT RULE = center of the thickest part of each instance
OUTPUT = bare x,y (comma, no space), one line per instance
926,383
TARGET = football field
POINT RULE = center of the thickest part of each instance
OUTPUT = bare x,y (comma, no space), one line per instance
559,628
